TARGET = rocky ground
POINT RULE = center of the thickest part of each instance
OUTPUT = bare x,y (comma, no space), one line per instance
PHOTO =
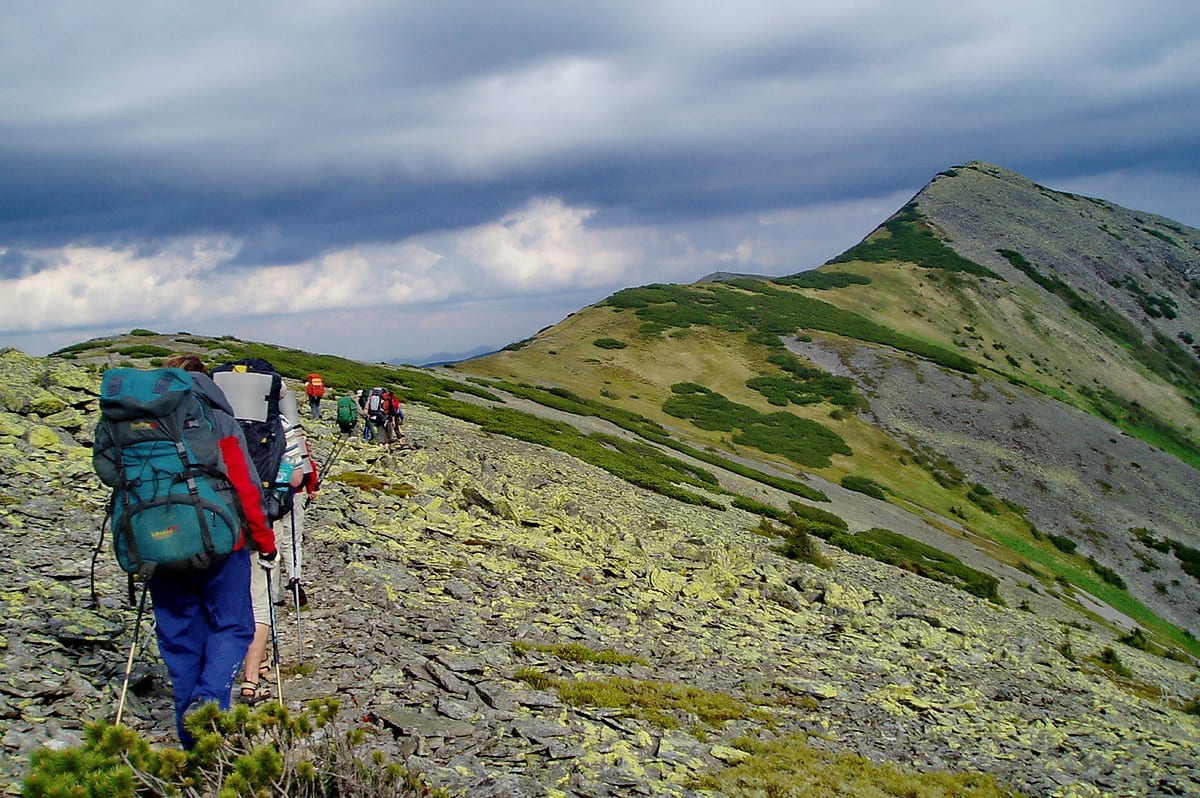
417,602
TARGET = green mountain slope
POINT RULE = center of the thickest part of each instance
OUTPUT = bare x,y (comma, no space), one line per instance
1016,368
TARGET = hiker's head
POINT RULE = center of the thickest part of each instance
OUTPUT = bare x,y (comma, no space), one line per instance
187,363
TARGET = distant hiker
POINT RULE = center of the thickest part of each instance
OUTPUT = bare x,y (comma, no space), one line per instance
315,390
377,417
347,413
389,409
363,398
289,531
203,617
397,416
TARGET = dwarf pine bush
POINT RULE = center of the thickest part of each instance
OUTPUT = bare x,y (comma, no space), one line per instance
266,751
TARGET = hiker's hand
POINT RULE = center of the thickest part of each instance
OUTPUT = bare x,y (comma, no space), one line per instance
268,561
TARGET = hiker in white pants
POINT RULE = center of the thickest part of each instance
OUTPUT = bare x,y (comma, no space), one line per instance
291,547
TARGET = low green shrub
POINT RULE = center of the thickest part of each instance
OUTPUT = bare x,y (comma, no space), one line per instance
919,558
1106,573
864,485
802,384
816,515
984,500
1112,661
145,350
1063,543
263,751
760,508
577,652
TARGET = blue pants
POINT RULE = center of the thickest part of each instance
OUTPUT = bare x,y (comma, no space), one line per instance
205,623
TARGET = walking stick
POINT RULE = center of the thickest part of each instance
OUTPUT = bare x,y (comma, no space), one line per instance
338,446
132,648
296,586
274,639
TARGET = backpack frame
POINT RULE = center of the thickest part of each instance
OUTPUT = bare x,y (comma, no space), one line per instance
265,436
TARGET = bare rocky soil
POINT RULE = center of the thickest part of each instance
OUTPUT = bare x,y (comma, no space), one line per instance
1076,475
417,600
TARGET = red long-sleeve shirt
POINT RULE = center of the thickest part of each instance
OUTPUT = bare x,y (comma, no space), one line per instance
242,476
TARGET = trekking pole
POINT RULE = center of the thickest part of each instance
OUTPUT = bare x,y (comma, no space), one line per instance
296,586
338,447
137,627
274,639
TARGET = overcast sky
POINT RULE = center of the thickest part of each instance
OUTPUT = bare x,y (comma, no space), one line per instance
383,179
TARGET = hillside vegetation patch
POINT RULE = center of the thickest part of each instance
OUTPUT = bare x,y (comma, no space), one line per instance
788,767
800,440
665,704
748,306
864,485
644,467
1163,356
569,402
823,280
802,384
908,238
912,555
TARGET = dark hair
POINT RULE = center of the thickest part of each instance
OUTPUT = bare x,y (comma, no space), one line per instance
187,363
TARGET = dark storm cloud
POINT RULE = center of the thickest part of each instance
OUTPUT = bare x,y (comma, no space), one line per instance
272,134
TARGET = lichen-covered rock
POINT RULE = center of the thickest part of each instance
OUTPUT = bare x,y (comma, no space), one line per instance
42,437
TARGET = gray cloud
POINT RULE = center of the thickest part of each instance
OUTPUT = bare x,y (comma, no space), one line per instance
302,137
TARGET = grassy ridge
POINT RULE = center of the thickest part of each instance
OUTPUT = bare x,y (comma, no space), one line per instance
568,402
802,441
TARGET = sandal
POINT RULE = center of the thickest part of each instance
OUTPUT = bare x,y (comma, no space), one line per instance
253,693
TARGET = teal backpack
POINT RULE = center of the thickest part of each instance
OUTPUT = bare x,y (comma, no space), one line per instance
173,506
347,411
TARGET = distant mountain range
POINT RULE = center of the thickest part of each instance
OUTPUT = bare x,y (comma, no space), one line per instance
443,358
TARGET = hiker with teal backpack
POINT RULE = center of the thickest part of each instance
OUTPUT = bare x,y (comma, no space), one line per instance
347,413
185,501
